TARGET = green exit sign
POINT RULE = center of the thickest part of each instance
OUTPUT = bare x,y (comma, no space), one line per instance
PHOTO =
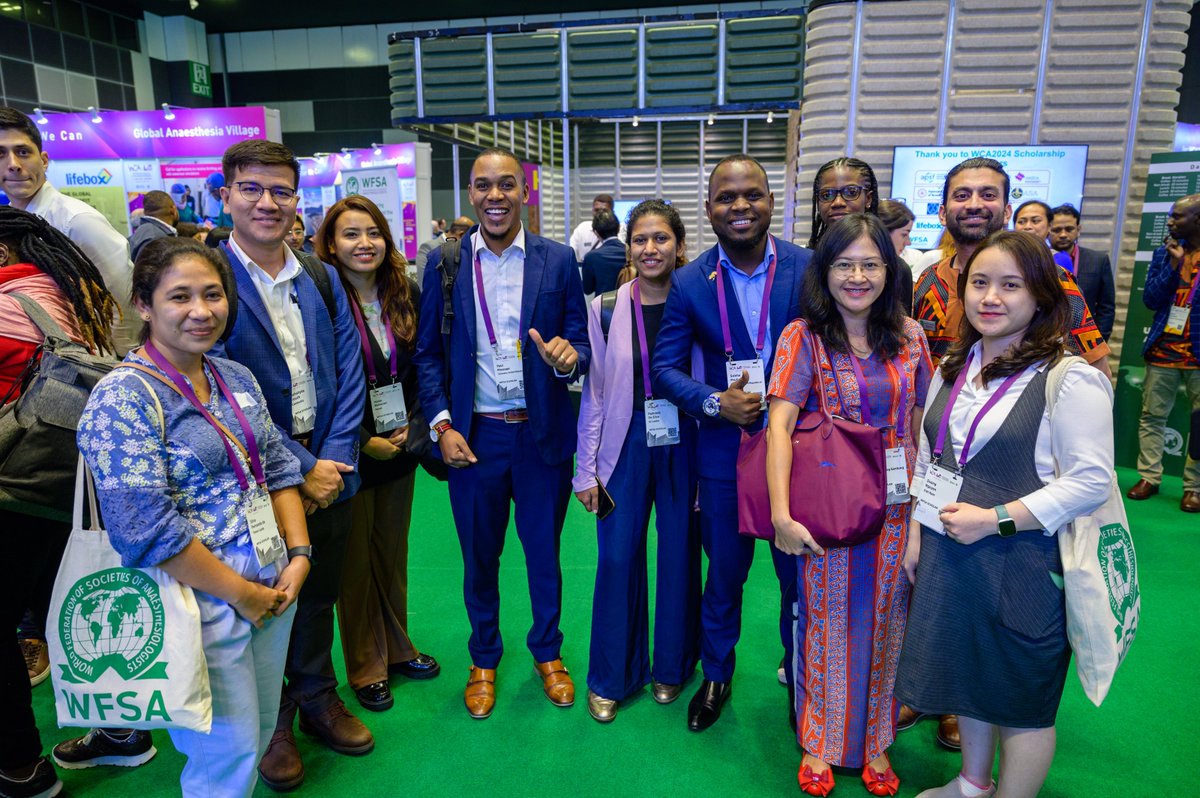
201,80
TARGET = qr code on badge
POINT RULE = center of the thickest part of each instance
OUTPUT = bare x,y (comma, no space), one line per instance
899,487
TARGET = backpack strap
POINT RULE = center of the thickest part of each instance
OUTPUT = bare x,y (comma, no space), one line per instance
316,270
448,266
608,303
38,315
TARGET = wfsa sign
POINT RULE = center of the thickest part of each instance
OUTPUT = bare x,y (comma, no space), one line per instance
381,186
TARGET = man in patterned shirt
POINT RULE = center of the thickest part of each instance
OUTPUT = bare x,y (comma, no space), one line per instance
975,205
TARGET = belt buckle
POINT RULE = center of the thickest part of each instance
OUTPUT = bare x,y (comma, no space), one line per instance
515,415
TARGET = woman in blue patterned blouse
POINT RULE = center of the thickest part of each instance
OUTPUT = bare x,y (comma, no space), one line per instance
174,495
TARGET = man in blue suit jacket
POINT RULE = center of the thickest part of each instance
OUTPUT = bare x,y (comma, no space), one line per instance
728,397
603,265
1091,267
310,371
502,416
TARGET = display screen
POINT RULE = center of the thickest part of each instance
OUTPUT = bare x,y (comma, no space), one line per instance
622,207
1052,173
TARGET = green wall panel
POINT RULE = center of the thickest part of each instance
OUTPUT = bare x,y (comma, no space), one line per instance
402,80
764,59
602,69
681,65
528,73
454,76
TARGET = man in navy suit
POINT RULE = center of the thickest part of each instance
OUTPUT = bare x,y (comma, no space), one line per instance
494,387
602,265
760,277
1092,268
307,361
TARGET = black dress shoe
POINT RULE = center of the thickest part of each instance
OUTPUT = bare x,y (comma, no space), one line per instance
706,705
376,697
421,666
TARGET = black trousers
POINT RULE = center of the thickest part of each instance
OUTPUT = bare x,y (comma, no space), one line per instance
309,681
32,546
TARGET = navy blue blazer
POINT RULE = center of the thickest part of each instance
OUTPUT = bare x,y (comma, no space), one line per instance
1095,279
691,320
551,302
602,265
334,353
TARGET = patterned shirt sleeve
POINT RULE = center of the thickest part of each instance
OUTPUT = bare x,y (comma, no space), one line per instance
120,438
1085,339
792,377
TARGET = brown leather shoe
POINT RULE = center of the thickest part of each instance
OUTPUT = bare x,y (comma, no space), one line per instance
947,733
1142,490
338,729
1190,502
480,695
908,718
556,682
281,768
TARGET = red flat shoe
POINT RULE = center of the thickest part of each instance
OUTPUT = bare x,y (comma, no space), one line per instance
885,783
813,784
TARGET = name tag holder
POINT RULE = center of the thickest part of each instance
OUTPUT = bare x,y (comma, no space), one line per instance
662,417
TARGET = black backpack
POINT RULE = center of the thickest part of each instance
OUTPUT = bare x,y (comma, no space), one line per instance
608,303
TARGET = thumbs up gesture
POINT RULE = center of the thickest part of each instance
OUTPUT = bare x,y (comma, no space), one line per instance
738,406
557,352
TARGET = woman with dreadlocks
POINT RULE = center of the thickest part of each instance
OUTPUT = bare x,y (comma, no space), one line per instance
844,186
41,263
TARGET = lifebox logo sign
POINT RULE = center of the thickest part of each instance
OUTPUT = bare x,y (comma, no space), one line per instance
113,620
100,178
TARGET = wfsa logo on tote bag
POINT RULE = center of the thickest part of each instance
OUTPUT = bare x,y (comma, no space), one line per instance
114,620
1117,563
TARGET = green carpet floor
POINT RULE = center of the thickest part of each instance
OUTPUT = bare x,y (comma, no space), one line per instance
1138,744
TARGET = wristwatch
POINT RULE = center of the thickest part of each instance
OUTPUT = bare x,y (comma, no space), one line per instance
439,429
712,405
300,551
1008,527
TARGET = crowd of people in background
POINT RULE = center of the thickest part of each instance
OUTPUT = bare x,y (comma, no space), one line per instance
331,370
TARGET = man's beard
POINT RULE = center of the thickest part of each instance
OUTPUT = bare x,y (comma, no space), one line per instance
743,244
962,236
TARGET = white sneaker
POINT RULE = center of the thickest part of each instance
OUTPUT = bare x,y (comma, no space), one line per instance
959,788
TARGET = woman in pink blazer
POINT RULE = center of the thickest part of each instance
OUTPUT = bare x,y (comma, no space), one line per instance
635,450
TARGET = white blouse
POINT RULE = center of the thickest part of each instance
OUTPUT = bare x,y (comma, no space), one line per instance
1081,440
373,316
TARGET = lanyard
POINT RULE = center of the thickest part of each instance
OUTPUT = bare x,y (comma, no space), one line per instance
366,345
189,393
762,315
483,307
893,391
1075,260
641,331
944,426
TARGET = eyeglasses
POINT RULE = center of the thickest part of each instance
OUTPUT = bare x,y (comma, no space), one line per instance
844,268
849,193
252,192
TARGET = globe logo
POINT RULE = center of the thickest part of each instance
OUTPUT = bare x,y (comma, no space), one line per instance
112,619
351,185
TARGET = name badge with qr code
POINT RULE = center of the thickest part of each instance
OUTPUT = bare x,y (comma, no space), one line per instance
662,423
264,529
510,379
1177,318
388,408
940,488
897,475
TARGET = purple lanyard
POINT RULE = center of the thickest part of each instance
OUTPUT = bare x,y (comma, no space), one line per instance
1075,260
190,394
864,402
641,331
483,307
366,344
766,304
944,426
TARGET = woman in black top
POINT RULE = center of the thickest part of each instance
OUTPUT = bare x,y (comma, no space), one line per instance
373,601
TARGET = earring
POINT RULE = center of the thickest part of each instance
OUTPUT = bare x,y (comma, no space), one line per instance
145,317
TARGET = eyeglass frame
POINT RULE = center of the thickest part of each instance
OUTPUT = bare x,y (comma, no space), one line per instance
845,268
834,192
292,194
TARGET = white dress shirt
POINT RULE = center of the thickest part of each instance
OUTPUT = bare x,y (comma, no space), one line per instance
503,281
1080,440
106,248
279,297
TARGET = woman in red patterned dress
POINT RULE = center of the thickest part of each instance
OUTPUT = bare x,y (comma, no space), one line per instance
874,368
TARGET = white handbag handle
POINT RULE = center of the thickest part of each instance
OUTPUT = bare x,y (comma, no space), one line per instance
83,473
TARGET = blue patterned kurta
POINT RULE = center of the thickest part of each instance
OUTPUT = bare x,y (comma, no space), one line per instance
156,496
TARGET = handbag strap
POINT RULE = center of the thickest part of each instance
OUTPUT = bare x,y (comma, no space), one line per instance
1054,381
818,377
224,429
38,315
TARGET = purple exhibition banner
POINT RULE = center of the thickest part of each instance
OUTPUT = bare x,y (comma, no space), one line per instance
324,170
193,132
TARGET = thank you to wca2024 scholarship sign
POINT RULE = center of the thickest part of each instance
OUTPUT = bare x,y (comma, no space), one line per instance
1171,175
149,134
1051,173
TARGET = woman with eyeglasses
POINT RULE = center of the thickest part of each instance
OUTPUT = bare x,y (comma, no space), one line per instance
844,186
874,368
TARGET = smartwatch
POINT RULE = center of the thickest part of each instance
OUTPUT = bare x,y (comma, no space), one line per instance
300,551
712,405
1008,527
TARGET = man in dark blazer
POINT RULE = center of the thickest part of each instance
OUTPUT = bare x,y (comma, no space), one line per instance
1092,268
159,217
739,208
602,265
494,387
307,361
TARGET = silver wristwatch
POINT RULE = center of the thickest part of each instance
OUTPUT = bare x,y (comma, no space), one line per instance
712,405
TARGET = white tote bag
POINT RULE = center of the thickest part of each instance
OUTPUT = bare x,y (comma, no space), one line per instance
125,647
1104,600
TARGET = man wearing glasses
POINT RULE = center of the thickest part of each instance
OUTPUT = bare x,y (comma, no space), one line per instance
295,332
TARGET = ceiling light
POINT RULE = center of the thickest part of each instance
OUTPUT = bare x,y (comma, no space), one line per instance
167,112
41,117
770,117
712,118
635,121
95,114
